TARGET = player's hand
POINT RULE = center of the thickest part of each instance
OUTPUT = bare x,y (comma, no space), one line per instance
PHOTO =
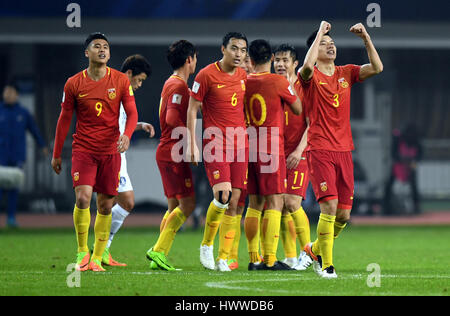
149,129
359,30
123,143
324,27
192,154
293,159
56,165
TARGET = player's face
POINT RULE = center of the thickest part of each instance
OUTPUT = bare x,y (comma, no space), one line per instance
98,51
284,64
136,81
235,52
10,95
327,50
247,65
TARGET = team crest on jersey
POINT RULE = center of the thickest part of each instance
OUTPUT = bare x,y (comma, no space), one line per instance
343,82
216,174
243,85
187,183
323,186
76,176
112,93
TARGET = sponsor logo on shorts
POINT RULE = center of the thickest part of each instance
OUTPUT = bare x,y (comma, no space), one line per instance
323,186
188,183
76,176
216,174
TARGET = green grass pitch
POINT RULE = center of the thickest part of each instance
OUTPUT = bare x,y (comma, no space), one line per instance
411,261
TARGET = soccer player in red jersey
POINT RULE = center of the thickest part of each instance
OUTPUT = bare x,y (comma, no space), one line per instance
326,90
294,221
95,95
233,257
176,174
219,90
265,96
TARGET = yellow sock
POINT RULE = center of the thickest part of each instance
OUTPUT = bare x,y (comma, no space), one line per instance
213,218
261,235
82,221
227,234
288,236
325,237
252,232
102,229
302,228
338,227
163,221
271,231
237,238
166,237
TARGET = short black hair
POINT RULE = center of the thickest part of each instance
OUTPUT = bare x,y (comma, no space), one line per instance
137,64
179,51
236,35
260,51
94,36
287,48
312,37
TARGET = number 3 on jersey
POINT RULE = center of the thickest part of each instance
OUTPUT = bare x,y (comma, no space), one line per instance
336,100
98,107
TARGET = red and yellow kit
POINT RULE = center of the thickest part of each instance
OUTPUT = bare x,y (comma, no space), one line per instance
297,178
329,137
222,96
176,176
97,108
265,97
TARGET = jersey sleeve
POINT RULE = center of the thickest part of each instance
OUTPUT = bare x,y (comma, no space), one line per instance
285,91
69,96
200,86
129,106
305,84
354,73
177,102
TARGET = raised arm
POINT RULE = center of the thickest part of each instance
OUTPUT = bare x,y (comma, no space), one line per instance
307,70
375,66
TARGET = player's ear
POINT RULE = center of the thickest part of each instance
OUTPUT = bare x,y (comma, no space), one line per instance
86,53
222,49
295,64
129,73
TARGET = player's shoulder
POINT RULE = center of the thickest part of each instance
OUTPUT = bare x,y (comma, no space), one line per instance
176,83
117,75
347,67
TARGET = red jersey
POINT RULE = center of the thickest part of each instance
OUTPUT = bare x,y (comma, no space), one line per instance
295,124
97,107
175,95
222,95
264,99
328,108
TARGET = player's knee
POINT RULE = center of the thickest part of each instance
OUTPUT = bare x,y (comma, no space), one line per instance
83,199
187,206
127,205
291,206
223,197
343,218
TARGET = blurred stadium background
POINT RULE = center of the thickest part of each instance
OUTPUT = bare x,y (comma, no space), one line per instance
41,51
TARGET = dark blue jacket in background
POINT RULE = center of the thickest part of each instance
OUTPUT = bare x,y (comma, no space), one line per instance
14,121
